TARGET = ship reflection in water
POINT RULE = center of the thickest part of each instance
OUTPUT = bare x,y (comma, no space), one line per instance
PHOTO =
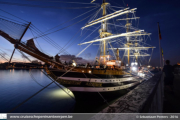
59,94
18,85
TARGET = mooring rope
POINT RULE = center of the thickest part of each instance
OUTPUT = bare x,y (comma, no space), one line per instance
98,92
53,81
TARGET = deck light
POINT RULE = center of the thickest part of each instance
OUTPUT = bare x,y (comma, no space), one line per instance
134,68
74,64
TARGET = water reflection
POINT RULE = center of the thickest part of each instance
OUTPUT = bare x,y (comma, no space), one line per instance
59,93
17,85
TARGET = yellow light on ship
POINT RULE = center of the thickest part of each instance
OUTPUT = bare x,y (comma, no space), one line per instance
110,63
89,71
74,64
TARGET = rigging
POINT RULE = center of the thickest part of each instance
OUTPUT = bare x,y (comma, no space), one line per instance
55,7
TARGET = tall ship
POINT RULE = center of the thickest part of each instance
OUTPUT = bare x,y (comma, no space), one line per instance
120,62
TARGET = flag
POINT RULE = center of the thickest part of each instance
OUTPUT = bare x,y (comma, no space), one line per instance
162,52
159,32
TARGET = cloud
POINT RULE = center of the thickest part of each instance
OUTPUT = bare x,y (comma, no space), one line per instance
69,58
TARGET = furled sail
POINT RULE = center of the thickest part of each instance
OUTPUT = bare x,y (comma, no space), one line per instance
31,44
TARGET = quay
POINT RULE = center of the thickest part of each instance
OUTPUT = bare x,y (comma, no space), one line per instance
149,97
21,65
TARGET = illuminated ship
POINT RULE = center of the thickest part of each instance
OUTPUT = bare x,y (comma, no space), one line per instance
112,72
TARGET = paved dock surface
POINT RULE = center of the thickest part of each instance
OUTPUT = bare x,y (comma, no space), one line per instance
172,101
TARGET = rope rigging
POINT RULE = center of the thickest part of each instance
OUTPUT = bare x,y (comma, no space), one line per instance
15,30
62,48
3,57
9,19
33,27
83,34
36,41
64,27
15,16
52,42
47,39
61,2
74,41
53,81
68,42
39,6
69,20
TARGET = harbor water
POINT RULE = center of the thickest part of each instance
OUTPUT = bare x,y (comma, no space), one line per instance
18,85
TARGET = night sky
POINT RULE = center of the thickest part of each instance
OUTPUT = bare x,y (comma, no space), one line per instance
44,17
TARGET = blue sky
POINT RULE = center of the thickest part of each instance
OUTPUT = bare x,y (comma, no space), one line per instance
166,12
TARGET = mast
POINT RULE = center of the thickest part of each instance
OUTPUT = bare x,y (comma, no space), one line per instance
127,30
106,36
103,31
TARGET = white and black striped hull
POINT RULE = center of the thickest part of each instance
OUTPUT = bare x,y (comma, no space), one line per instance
82,85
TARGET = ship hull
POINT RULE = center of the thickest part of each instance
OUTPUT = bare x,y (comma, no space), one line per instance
86,75
98,96
101,96
87,86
